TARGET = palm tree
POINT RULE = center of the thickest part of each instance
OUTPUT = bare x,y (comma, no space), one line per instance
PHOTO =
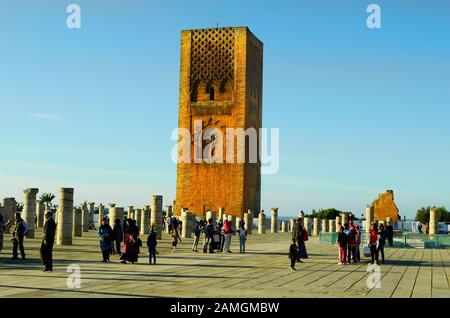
47,198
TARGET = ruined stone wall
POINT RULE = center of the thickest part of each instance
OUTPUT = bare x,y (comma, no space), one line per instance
385,207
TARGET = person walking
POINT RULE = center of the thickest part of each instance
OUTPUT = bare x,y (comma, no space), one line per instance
151,244
117,237
298,234
342,242
381,243
242,237
228,230
131,243
390,234
221,235
373,238
293,253
302,246
207,239
197,233
47,242
175,239
18,235
105,233
419,228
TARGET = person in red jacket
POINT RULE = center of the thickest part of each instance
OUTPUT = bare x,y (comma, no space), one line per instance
373,239
228,231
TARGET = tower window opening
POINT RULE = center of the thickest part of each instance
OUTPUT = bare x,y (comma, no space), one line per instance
211,94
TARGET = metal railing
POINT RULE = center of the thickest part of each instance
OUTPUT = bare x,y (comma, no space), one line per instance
404,240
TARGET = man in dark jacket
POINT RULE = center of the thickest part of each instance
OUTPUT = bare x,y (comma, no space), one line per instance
297,234
18,235
48,241
390,233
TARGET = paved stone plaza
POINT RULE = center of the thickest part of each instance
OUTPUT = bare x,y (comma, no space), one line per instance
262,272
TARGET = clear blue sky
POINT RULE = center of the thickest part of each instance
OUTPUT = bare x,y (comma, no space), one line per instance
359,110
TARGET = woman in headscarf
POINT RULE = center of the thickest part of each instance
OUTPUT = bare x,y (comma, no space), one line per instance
105,233
131,243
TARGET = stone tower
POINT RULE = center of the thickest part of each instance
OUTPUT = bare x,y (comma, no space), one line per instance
221,86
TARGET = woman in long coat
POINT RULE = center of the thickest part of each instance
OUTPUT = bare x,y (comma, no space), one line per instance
105,233
130,248
301,244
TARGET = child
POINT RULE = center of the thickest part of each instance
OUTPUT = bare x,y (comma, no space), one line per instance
151,244
293,254
175,239
342,242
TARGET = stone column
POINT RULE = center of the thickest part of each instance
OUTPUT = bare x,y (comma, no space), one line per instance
211,215
169,211
120,212
187,220
238,221
274,221
112,214
101,213
145,220
29,209
332,226
292,224
40,209
232,219
130,213
156,214
91,211
433,227
283,226
138,216
338,220
324,226
85,217
167,230
9,206
221,213
77,226
344,217
261,223
306,225
64,226
369,217
315,227
248,220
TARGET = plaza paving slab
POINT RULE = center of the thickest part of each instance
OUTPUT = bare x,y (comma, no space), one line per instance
261,272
